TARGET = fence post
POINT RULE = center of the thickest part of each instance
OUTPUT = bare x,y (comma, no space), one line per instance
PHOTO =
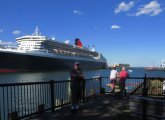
144,101
163,88
52,95
145,90
100,79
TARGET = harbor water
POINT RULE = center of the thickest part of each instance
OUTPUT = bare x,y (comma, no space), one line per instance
65,75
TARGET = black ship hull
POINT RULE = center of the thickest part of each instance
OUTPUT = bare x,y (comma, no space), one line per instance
12,61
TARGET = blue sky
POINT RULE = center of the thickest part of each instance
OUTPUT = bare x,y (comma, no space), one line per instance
124,31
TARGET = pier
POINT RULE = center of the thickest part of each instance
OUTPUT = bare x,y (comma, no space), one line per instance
51,100
101,107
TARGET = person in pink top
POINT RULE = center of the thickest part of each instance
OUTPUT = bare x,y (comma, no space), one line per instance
123,75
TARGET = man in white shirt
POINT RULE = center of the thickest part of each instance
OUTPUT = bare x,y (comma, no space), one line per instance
113,77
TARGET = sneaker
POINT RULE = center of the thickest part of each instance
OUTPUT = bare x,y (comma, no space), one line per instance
77,107
72,107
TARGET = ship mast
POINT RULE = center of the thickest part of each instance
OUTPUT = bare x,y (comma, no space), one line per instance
37,32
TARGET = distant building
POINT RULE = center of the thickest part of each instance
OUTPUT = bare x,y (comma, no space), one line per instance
121,65
163,63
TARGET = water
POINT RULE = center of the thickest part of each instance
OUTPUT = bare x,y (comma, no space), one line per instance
65,75
46,76
156,74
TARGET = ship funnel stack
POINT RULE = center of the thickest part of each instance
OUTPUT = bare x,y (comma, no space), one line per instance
37,32
78,43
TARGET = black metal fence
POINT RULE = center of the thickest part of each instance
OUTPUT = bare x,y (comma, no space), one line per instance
19,100
131,84
22,100
146,86
151,87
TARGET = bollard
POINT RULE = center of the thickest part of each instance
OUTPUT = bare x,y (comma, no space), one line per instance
41,109
52,95
13,116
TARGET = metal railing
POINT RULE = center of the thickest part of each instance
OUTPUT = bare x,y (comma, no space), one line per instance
147,86
151,87
22,100
131,84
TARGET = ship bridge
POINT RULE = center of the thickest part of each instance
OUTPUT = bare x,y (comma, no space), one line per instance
31,42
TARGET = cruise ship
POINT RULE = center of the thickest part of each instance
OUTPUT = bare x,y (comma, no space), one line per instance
38,52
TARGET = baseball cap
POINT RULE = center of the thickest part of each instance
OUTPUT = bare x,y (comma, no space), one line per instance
77,63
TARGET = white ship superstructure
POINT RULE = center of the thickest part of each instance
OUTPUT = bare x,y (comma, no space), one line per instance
31,42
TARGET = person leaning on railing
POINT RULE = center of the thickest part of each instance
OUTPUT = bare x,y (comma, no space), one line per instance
113,78
123,75
77,81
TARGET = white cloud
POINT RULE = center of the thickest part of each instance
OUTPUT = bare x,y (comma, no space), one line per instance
16,32
153,8
123,7
67,41
1,30
77,12
115,27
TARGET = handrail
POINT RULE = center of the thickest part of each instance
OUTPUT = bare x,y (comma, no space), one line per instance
25,83
62,81
40,82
